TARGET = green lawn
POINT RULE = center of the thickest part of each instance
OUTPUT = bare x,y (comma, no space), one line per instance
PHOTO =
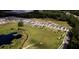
47,37
7,28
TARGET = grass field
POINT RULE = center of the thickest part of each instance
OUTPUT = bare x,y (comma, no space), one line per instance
43,37
38,37
6,28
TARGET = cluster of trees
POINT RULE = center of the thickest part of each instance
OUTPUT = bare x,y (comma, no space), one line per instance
74,22
20,24
43,14
76,12
57,14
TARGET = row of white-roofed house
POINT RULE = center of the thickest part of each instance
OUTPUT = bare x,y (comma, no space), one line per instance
57,26
25,21
3,21
46,24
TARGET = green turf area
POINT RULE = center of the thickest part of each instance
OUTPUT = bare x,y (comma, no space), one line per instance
38,37
7,28
43,37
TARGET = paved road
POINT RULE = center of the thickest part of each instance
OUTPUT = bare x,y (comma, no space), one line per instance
65,41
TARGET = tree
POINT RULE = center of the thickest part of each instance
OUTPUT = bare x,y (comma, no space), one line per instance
20,24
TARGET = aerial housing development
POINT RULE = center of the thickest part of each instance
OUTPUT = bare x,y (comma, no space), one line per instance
30,30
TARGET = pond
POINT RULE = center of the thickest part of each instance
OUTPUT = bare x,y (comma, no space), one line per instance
7,38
